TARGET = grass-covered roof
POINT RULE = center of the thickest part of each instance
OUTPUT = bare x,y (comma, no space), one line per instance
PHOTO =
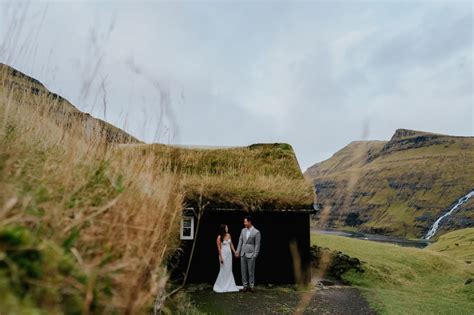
257,177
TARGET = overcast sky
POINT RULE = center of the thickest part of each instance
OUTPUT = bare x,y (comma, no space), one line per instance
317,75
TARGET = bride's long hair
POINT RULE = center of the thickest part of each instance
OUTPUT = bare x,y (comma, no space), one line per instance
222,231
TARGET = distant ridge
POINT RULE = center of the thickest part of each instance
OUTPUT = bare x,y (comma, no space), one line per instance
407,133
62,110
404,139
398,187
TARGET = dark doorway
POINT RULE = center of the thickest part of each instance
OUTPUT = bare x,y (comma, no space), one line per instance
275,262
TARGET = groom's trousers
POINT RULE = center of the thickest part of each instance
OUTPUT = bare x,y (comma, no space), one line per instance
247,267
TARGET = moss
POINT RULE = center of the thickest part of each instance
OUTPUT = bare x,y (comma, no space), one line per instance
26,258
14,236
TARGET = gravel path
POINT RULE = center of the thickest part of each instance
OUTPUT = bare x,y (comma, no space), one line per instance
282,300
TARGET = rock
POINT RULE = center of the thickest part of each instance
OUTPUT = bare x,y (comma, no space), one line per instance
339,263
191,289
197,287
353,219
325,282
468,281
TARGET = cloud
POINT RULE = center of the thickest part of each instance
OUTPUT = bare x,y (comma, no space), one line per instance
317,75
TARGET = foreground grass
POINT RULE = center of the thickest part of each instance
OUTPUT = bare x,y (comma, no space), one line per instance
82,230
400,280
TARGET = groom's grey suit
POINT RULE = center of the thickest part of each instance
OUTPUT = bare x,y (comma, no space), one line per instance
248,249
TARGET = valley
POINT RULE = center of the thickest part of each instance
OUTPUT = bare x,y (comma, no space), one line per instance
398,187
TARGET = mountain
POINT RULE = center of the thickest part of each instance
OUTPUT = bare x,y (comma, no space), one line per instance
28,91
397,187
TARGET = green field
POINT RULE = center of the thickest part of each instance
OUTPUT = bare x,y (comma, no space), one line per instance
401,280
459,244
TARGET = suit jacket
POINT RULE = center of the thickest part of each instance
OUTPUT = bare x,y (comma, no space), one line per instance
249,247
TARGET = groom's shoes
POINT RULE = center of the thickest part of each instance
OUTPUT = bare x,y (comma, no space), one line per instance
245,289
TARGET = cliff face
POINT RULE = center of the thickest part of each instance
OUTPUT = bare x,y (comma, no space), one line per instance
27,91
397,187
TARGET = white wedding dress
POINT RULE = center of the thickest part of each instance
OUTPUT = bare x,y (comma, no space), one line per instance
225,280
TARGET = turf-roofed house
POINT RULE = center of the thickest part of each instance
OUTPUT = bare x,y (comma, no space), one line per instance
222,186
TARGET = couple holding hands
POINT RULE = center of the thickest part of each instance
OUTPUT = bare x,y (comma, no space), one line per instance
247,250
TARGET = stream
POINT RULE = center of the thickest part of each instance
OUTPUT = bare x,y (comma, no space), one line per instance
375,237
418,243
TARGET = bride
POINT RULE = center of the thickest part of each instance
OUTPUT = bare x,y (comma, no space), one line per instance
225,280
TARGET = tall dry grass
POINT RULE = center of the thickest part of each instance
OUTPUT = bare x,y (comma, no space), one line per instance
115,216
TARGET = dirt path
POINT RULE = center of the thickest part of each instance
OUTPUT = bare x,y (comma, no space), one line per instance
282,300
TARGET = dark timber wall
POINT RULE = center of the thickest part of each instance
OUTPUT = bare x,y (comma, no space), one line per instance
275,262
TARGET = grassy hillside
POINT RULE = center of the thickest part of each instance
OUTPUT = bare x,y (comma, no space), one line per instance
458,244
396,187
401,280
25,91
81,230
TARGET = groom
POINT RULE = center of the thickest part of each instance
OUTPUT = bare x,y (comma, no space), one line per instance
248,249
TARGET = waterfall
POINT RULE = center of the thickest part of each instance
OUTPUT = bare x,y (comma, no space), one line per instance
434,228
